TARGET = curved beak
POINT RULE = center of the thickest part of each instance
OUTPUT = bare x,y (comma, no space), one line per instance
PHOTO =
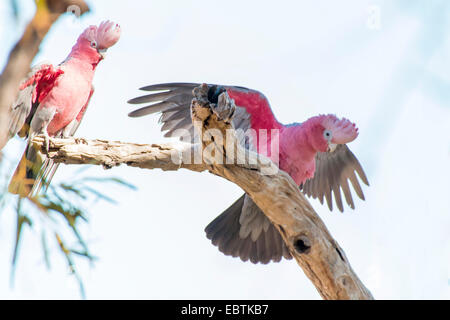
331,147
102,52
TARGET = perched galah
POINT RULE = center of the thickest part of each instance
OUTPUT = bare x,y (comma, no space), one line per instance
314,153
52,102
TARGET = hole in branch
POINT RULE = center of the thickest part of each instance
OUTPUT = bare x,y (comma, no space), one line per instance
302,244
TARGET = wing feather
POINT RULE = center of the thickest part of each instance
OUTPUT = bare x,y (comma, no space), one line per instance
226,232
32,90
173,101
333,171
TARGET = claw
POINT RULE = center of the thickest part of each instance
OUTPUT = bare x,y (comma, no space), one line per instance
46,137
201,93
225,107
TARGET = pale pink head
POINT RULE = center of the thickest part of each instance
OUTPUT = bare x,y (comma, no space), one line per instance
324,131
108,33
94,41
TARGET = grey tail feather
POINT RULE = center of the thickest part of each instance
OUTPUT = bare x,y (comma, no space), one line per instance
223,232
45,176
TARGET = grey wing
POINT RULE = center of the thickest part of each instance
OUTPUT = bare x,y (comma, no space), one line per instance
173,101
333,170
22,111
23,108
244,231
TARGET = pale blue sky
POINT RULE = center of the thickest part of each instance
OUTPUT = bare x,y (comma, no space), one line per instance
307,57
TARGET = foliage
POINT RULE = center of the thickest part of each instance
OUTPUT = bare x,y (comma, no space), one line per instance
57,214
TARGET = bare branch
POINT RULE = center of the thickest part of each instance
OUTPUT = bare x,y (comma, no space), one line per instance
304,233
114,153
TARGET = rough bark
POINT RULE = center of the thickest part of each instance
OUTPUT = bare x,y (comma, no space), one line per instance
23,53
308,239
114,153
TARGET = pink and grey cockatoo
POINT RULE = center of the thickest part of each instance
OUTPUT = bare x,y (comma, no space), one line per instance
314,153
52,102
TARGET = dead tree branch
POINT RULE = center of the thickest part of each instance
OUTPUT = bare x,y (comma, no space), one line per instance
114,153
23,53
308,239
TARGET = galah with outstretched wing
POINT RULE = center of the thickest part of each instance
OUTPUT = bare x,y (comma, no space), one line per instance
52,102
314,153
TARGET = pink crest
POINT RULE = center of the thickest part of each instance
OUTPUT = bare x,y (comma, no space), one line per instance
108,33
343,130
89,33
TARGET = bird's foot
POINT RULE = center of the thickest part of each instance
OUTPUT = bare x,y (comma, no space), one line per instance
200,93
46,144
225,107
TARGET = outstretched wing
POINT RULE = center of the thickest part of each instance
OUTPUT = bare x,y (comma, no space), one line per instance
333,170
173,101
32,90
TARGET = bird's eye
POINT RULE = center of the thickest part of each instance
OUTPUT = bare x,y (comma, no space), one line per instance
327,135
94,44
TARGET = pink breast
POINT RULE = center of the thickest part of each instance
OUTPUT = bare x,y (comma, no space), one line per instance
67,102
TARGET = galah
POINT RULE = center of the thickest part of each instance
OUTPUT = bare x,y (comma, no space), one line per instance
314,153
52,102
